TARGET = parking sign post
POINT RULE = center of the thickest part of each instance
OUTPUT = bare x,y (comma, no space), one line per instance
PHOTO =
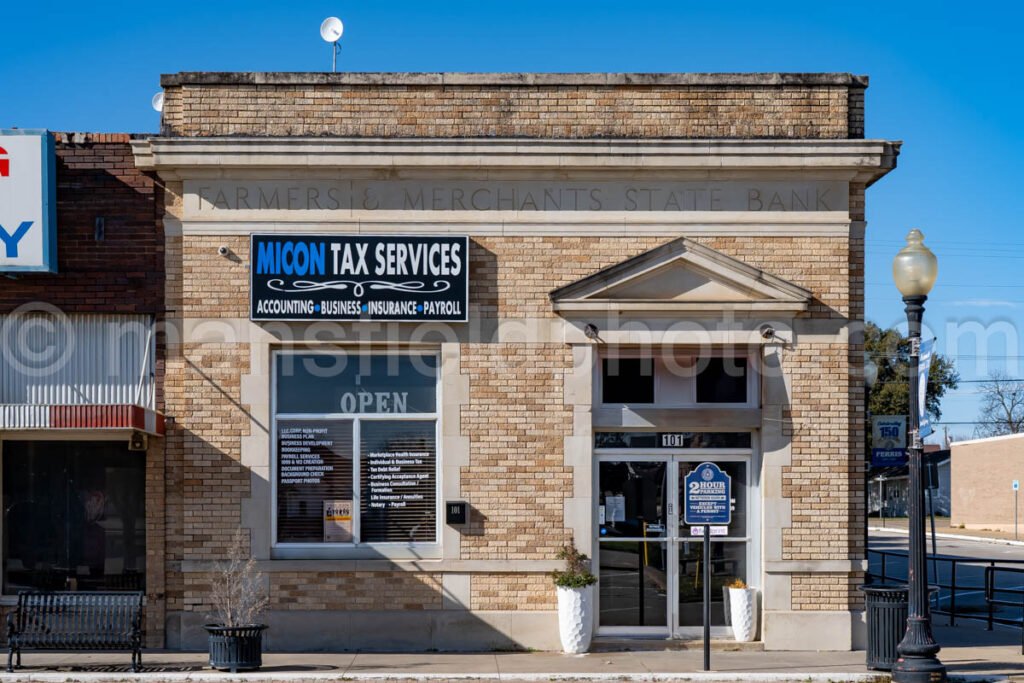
1016,493
707,500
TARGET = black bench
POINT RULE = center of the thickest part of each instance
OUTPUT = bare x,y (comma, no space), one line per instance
63,620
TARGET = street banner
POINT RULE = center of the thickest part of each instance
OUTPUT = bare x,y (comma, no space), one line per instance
888,440
923,368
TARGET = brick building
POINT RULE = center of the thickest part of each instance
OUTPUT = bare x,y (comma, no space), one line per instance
80,375
546,296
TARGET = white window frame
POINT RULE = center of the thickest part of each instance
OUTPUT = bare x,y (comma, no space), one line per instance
753,376
341,550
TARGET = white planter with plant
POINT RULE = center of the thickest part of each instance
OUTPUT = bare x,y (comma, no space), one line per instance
575,588
743,611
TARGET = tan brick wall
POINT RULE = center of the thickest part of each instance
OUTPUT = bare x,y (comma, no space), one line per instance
826,471
827,591
710,107
206,481
516,420
512,276
513,592
355,591
981,477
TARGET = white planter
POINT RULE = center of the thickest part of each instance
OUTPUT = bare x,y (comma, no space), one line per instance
743,611
575,618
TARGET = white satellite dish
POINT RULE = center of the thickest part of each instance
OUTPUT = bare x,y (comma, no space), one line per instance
158,101
331,30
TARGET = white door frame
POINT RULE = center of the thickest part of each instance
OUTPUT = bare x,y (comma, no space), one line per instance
672,457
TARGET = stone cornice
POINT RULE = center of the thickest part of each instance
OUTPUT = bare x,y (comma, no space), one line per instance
856,160
511,79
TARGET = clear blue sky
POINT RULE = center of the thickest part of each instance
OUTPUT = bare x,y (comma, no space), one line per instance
944,79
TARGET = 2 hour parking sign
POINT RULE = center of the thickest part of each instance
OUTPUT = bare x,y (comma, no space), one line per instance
707,496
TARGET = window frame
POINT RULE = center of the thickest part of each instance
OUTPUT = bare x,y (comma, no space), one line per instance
752,376
72,436
316,550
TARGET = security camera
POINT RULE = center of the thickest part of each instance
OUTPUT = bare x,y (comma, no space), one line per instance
767,332
222,250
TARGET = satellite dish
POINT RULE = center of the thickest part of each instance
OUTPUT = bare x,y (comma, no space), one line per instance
158,101
331,29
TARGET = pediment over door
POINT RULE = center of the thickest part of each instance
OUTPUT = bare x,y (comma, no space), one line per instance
682,277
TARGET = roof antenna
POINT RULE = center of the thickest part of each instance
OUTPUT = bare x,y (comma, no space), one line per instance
331,30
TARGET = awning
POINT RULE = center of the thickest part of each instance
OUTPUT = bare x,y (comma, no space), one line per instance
81,417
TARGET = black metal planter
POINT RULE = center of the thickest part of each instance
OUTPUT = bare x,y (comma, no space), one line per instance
236,648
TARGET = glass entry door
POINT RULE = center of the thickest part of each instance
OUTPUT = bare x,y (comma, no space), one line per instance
728,554
649,564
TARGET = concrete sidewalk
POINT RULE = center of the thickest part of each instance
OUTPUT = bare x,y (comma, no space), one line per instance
970,653
944,530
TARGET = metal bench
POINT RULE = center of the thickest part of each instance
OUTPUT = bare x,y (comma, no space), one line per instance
63,620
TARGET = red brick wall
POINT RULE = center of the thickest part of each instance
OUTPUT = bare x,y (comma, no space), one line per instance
124,273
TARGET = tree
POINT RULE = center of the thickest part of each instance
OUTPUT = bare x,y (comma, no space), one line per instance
1002,406
890,352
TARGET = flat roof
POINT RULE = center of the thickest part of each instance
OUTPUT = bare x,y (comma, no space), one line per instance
988,439
510,79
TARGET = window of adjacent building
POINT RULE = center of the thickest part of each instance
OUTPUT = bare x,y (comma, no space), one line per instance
356,448
74,516
674,379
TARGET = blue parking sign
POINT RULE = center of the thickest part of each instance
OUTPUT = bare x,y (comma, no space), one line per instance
707,498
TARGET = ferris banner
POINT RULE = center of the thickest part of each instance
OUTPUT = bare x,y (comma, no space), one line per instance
28,206
888,440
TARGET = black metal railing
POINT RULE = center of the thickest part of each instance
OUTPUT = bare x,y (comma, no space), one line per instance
964,579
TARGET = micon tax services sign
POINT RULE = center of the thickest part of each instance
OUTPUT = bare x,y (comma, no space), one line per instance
28,206
411,278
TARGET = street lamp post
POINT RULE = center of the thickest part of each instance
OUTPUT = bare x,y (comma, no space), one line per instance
914,269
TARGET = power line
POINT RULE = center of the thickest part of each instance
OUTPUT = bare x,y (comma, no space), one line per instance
969,356
975,285
961,381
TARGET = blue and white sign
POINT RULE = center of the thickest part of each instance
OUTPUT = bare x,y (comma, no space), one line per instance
28,202
888,440
707,496
924,367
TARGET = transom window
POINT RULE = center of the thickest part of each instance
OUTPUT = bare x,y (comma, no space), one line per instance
673,378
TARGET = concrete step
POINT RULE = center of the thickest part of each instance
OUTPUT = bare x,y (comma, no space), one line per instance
637,644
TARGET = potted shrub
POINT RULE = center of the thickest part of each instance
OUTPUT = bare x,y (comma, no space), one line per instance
574,586
239,597
743,611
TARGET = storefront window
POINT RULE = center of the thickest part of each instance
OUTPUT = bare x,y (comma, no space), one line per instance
74,516
356,448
